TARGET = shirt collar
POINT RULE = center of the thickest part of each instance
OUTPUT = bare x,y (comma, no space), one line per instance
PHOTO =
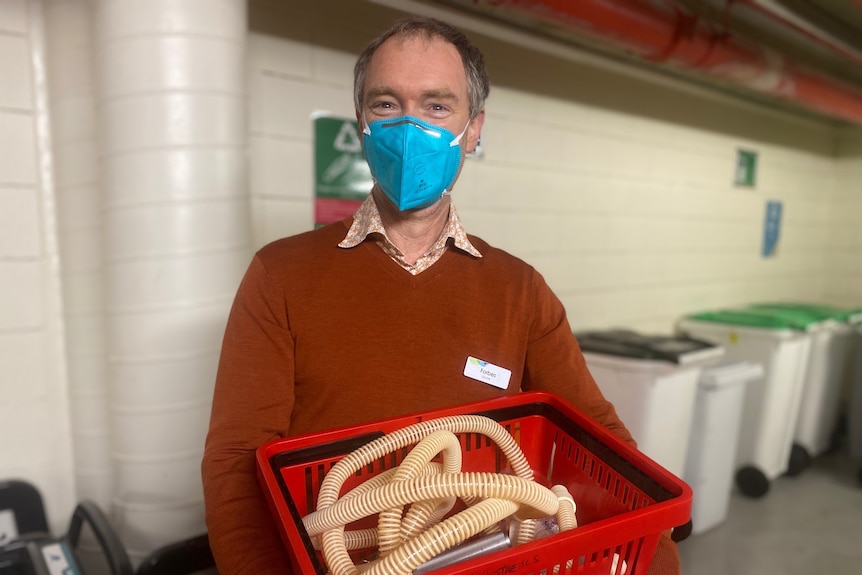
366,221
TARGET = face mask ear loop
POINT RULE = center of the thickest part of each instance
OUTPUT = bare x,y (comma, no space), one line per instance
452,144
457,139
366,129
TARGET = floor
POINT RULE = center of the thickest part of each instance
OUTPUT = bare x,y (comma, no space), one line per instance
810,524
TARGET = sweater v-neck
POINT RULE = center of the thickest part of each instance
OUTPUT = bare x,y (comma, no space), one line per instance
402,275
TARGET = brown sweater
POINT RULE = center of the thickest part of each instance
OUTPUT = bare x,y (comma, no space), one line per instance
320,337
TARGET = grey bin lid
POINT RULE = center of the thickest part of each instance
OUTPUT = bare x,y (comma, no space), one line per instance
680,350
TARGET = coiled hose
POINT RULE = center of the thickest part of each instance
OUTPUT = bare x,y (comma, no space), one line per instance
407,540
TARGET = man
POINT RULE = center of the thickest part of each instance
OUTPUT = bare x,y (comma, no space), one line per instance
384,313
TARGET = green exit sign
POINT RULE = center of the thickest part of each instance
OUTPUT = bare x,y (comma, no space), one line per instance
746,169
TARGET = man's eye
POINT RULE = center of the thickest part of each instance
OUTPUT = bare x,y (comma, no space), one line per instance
438,110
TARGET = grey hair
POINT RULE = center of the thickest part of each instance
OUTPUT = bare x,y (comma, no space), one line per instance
474,63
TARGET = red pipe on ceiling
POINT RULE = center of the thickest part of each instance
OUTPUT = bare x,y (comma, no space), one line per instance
847,53
661,31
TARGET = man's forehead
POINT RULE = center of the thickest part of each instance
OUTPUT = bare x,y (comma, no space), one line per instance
421,39
398,49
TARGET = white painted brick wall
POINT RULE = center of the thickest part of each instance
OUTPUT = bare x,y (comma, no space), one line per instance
844,257
636,222
34,424
288,82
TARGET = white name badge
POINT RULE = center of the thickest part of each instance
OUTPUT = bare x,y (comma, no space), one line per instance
487,372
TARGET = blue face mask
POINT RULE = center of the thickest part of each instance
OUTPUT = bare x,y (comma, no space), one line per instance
412,161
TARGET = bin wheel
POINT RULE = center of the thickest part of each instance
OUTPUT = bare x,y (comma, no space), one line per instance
799,460
752,481
682,532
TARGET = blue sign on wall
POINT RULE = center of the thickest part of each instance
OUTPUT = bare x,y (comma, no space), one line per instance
771,228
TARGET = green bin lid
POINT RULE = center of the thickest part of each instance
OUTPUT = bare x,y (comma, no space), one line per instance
824,312
811,319
756,318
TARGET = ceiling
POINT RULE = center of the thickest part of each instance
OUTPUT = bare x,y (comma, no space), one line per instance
802,55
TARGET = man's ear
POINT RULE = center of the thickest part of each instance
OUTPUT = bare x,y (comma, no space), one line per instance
474,131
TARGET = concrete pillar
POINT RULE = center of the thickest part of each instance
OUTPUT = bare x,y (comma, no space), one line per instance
170,95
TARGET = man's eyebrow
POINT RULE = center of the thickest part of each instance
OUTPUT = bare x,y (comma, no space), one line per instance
381,91
439,95
442,94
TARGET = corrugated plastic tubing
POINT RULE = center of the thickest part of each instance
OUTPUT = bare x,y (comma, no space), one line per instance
431,490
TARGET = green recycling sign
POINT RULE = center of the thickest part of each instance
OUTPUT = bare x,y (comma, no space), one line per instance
342,179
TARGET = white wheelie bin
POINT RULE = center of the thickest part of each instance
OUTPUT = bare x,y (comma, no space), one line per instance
824,380
781,345
652,382
711,460
854,410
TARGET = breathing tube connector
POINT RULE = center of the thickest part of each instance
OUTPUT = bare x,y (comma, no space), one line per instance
428,491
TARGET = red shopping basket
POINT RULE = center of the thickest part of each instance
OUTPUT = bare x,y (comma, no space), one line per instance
624,499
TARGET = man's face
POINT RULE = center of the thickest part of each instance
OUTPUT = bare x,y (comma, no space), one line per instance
420,77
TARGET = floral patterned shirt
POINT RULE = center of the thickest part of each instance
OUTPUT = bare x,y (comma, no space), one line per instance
367,223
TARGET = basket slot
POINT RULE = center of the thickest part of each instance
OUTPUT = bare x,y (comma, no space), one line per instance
626,555
588,465
313,480
474,441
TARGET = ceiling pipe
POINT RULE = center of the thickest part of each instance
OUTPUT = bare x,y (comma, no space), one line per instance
825,17
789,35
770,11
661,31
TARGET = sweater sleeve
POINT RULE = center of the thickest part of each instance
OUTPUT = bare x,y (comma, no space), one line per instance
252,403
555,363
